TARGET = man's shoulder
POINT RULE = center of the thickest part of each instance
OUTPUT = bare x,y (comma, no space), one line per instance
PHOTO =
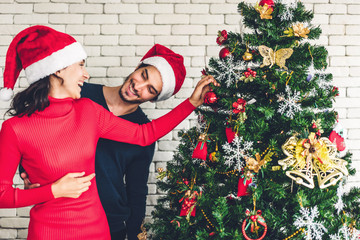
94,92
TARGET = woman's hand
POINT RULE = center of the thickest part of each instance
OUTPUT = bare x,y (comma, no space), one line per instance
202,87
72,185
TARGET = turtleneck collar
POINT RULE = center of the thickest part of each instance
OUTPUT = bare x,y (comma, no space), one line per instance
58,107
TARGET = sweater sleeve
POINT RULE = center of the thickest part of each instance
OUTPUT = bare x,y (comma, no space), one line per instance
10,157
117,129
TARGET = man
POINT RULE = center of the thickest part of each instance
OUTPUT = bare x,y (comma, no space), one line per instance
159,75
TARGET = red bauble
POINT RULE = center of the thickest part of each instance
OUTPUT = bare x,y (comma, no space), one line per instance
230,134
210,98
243,186
224,53
270,3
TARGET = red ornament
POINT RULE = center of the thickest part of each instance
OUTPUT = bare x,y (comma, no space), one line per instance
224,53
222,37
204,73
270,3
243,186
210,98
201,148
188,205
230,134
337,136
239,106
254,220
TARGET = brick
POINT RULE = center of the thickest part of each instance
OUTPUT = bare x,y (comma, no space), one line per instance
86,8
6,19
345,1
22,233
129,61
353,9
354,71
172,40
137,18
51,8
101,19
347,82
96,71
136,40
103,61
352,51
23,212
14,222
202,40
192,8
321,19
330,9
336,50
118,51
103,1
333,29
344,40
156,8
347,102
223,8
353,134
69,1
121,8
345,19
172,19
188,29
118,29
190,50
153,30
16,8
207,1
151,189
83,29
92,51
32,19
66,18
353,92
352,29
353,144
199,61
345,61
101,40
140,1
168,145
206,19
163,156
8,233
10,212
173,1
119,71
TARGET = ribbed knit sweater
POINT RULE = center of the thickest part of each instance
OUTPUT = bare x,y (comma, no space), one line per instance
59,140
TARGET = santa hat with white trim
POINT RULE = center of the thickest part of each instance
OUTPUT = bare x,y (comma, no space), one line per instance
171,68
40,51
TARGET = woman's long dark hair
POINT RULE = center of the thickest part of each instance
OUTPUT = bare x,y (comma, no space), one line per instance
34,98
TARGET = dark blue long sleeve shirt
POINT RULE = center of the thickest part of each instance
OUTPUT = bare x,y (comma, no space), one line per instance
122,172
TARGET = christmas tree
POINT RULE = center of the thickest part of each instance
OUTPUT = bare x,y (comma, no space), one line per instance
267,159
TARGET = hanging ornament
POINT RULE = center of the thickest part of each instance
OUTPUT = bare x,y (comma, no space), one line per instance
265,11
257,225
313,157
210,98
224,52
279,57
249,76
297,30
222,37
270,3
230,134
239,106
247,55
188,207
200,150
336,91
143,234
214,156
243,186
337,136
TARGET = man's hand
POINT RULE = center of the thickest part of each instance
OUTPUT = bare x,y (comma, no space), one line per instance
202,87
27,183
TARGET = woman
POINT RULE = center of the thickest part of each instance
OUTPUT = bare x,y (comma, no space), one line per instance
54,134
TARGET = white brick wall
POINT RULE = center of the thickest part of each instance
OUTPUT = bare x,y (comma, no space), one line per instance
116,33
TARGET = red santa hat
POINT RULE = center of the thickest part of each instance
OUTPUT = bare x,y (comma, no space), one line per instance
171,67
40,51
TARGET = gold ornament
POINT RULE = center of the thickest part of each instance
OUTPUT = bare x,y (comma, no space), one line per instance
279,57
143,234
214,156
247,55
297,30
265,11
313,157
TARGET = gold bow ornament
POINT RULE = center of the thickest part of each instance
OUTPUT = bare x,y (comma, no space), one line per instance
265,11
297,30
312,157
271,57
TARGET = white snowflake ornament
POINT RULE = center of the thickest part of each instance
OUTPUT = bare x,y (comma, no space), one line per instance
236,151
289,103
313,230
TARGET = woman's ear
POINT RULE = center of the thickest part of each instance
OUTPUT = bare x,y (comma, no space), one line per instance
57,73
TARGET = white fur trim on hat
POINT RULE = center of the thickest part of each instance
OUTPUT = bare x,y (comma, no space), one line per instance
56,61
167,76
6,94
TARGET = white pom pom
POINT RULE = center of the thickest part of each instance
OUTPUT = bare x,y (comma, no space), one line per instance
6,94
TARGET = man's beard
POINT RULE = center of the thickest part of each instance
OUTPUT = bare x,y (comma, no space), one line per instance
123,97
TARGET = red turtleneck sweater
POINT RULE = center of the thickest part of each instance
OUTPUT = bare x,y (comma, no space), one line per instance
59,140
